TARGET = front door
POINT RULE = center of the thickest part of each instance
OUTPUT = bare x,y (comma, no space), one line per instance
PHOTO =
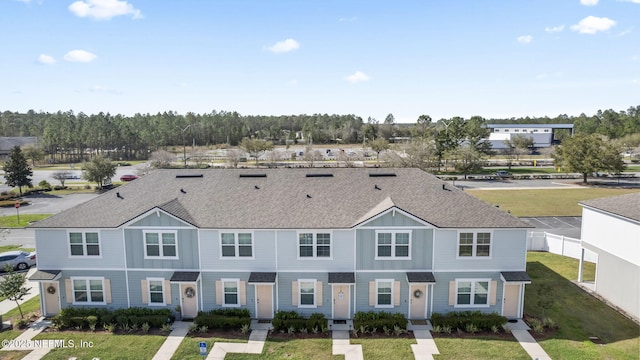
51,298
189,300
418,302
341,300
264,301
511,301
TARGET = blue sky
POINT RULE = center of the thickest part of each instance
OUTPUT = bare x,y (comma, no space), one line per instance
370,58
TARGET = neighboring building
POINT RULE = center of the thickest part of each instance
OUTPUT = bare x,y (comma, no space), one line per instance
611,229
8,143
542,134
334,241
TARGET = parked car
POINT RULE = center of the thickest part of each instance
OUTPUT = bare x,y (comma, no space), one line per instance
503,174
19,260
128,177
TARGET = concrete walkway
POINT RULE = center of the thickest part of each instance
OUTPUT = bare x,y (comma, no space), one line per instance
254,346
24,339
342,346
426,346
170,345
520,331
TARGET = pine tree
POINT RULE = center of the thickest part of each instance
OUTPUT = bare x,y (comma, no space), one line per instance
16,169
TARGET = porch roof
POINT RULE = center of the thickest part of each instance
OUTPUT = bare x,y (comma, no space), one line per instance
262,277
342,278
45,275
420,277
185,276
515,276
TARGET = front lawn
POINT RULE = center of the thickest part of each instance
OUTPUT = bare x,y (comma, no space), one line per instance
479,348
577,314
5,248
11,221
544,202
385,348
105,346
302,349
30,306
189,348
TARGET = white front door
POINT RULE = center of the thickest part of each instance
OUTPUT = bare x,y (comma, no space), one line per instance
264,301
511,301
51,298
418,302
189,300
341,300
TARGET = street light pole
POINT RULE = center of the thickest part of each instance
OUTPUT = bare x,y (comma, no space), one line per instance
184,145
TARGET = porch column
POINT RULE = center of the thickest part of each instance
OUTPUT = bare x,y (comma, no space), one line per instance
580,265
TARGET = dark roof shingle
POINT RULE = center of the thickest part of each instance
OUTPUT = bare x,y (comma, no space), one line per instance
342,278
222,199
627,205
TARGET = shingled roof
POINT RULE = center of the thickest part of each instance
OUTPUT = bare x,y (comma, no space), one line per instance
284,199
627,206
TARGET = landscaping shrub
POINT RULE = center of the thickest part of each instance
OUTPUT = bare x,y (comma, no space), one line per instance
291,320
470,321
225,319
379,320
83,318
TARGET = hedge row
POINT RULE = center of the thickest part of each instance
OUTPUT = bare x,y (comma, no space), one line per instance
379,320
225,319
82,317
286,320
460,320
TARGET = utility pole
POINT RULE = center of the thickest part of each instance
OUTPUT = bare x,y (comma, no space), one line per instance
184,145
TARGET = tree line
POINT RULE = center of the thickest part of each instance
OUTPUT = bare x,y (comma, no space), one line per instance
69,135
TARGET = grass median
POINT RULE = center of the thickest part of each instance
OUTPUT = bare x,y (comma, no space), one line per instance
544,202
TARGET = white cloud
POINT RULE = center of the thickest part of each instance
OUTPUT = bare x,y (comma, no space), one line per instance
79,56
46,59
589,2
631,1
625,32
592,25
24,1
357,77
525,39
104,9
284,46
554,29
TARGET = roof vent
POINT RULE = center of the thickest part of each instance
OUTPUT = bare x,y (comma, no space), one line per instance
183,191
308,196
256,187
376,187
253,175
382,175
319,175
184,176
119,196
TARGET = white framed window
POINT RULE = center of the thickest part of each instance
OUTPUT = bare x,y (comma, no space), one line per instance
156,291
474,244
314,245
307,293
160,244
384,293
393,245
234,245
84,244
89,290
472,292
230,292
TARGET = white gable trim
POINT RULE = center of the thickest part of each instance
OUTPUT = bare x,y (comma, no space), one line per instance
393,210
156,211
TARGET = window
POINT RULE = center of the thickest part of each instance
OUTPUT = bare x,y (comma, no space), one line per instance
231,294
393,245
384,293
472,292
156,291
307,291
84,244
160,244
314,245
88,290
472,244
236,245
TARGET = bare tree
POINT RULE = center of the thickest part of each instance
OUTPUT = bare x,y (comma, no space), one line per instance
311,156
233,157
62,176
161,159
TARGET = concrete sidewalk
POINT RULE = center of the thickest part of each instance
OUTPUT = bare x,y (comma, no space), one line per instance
171,344
520,331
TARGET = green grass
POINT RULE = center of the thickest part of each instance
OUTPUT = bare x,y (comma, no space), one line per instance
544,202
389,348
11,221
27,307
104,346
479,348
302,349
578,314
4,248
189,349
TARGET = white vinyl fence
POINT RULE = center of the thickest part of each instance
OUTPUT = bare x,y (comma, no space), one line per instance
558,244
